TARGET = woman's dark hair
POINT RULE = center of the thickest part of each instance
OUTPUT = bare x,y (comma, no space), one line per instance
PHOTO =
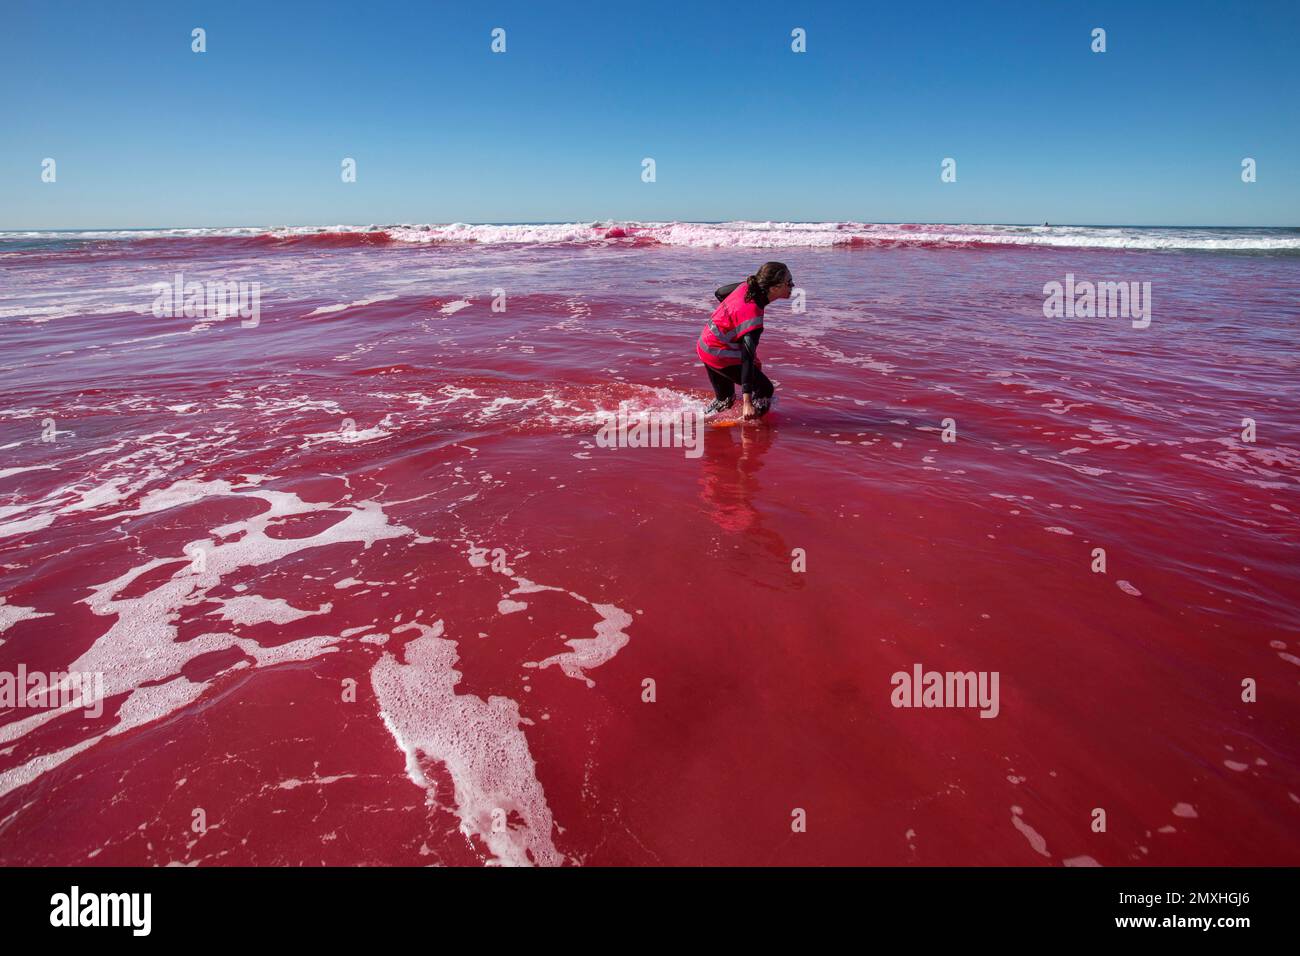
768,275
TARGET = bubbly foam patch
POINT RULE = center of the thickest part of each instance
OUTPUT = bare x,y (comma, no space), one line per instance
7,472
255,609
349,436
83,496
479,742
591,652
371,300
11,614
584,653
139,655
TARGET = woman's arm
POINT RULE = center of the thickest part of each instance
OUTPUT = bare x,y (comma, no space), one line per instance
748,355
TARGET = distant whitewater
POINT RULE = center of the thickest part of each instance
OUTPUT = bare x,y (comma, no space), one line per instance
738,235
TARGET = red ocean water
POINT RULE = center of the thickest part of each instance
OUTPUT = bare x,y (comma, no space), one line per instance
362,587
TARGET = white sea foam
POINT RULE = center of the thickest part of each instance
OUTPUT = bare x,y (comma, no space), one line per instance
584,653
327,309
479,742
139,655
11,614
6,472
742,235
255,609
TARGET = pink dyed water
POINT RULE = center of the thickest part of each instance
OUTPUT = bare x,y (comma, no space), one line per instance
362,587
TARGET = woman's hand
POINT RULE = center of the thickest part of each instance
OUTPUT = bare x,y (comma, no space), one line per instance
747,410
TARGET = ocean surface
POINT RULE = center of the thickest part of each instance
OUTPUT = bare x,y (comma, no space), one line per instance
362,587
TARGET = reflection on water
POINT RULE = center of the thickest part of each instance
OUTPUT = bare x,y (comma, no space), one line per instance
733,457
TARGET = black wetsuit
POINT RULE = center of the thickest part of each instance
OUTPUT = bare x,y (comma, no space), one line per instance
747,374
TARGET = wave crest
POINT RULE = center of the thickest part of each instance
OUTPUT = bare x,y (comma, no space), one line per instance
724,235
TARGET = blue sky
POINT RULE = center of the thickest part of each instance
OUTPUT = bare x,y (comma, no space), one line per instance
252,132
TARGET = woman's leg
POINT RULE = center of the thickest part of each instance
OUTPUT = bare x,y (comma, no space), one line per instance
762,393
723,389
